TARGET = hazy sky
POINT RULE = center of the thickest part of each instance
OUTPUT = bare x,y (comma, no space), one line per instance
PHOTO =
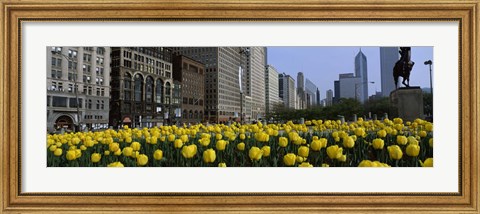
323,64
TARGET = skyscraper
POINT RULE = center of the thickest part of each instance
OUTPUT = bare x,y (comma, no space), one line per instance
361,88
301,97
287,90
318,97
271,88
255,75
329,99
388,57
349,84
336,88
310,93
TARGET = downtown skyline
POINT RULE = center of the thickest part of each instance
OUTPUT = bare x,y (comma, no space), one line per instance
322,65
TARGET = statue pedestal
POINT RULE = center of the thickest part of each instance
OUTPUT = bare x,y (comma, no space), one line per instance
408,103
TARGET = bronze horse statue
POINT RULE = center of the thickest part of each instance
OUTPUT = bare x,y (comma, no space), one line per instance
403,67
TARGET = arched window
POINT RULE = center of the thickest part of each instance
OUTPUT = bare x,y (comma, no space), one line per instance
159,91
167,89
149,90
200,115
184,114
190,115
138,88
196,114
127,87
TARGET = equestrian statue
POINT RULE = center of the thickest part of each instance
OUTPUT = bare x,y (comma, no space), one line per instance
403,67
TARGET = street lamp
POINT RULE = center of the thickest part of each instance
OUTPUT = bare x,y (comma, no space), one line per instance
429,63
356,88
74,85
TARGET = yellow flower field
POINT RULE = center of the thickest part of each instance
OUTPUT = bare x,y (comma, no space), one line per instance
388,143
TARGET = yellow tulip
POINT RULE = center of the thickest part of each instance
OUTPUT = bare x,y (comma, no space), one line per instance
241,146
70,155
204,141
209,156
118,152
316,145
382,133
221,145
52,148
343,158
325,165
413,150
283,142
299,159
305,164
158,154
113,147
334,152
95,157
378,143
222,165
106,153
422,133
115,164
58,152
242,136
189,151
348,142
135,146
303,151
430,142
255,153
218,136
412,140
289,159
178,143
127,151
266,151
142,160
402,140
78,153
359,132
429,127
395,152
171,137
427,163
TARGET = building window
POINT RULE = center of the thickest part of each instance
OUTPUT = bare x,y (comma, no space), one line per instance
72,54
89,104
138,87
98,104
102,105
73,102
159,91
72,76
127,87
87,68
87,57
56,74
59,101
72,65
100,50
149,90
167,89
102,92
99,61
56,62
70,87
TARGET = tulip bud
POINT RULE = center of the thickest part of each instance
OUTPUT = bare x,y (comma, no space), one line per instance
289,159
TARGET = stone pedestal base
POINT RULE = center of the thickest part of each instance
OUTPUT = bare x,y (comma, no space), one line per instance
408,103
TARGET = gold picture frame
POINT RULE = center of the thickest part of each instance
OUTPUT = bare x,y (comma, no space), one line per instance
16,12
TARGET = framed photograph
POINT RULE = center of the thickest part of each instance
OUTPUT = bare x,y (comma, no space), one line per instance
117,65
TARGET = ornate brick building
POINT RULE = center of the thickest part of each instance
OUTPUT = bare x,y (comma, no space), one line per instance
141,86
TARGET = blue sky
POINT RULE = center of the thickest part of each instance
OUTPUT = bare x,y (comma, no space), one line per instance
323,64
